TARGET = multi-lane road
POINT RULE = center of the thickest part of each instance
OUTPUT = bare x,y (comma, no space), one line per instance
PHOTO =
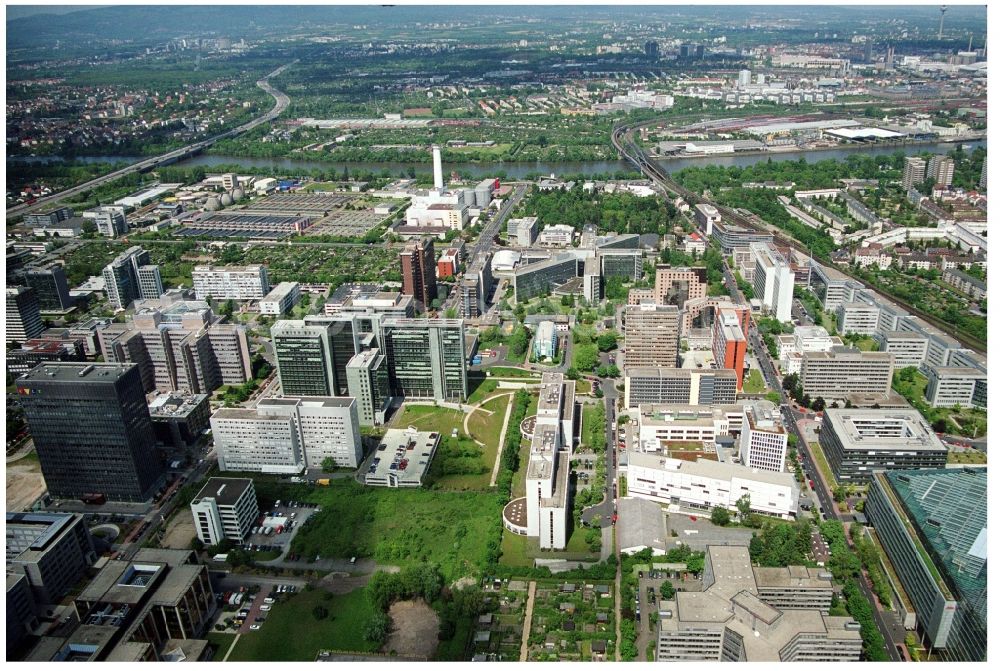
281,101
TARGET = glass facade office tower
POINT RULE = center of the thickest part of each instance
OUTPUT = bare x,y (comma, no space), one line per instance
312,354
426,358
92,430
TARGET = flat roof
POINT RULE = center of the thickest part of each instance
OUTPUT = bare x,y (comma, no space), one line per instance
710,469
417,460
225,491
72,371
882,429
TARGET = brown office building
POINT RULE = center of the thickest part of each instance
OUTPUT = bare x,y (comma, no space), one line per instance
652,334
419,267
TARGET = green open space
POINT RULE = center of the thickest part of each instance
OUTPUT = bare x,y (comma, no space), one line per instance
507,371
911,384
221,642
820,458
400,527
754,383
966,457
592,427
292,633
480,388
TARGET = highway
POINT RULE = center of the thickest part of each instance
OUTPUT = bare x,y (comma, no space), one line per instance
281,101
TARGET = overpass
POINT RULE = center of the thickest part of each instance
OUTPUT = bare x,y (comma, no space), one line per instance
281,101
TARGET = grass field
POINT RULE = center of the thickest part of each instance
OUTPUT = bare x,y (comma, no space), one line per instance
481,388
291,633
507,371
966,457
222,643
401,526
821,463
754,383
867,344
592,427
521,551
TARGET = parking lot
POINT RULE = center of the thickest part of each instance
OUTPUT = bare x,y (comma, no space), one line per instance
250,611
275,528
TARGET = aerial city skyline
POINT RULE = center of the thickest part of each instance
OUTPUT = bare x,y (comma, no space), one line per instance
486,333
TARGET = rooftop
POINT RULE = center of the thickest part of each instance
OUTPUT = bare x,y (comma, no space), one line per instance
883,429
225,491
70,371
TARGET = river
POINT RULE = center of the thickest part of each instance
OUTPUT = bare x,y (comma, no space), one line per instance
520,170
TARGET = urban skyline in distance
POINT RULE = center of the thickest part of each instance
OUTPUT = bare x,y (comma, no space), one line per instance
492,333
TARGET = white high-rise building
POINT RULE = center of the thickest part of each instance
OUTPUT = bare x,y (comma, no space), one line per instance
774,281
763,440
224,508
744,79
225,282
286,435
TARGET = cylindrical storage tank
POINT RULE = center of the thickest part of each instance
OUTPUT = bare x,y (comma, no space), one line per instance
470,197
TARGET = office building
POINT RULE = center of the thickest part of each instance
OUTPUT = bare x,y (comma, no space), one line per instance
662,424
652,335
288,434
914,172
522,232
368,299
476,286
152,607
38,350
50,287
841,371
644,385
624,263
544,512
791,346
755,614
832,287
773,281
417,265
225,508
52,550
730,236
556,235
368,383
907,348
705,484
47,218
707,217
942,169
932,527
91,430
312,354
676,286
652,50
179,345
729,344
540,278
109,219
24,319
763,440
857,317
229,282
21,618
545,344
859,442
179,420
951,386
426,358
281,299
447,264
130,277
592,280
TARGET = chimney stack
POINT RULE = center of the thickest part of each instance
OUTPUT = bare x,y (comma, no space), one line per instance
438,177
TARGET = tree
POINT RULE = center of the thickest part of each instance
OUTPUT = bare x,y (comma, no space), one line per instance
818,404
743,505
720,516
573,374
378,628
329,464
607,341
320,613
667,590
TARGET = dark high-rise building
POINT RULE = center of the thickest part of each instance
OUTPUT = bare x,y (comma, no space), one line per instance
312,354
130,277
692,51
419,267
24,319
51,287
426,358
91,429
652,51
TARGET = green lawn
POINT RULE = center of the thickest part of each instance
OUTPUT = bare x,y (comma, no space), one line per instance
291,633
583,387
401,526
429,418
221,642
821,463
507,371
484,425
482,388
829,323
592,427
521,551
754,382
966,457
867,344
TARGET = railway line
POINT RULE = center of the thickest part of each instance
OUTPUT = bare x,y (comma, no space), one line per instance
621,138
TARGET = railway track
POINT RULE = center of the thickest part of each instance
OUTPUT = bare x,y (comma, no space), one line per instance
621,138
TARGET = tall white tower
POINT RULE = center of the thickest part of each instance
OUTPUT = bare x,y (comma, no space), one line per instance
438,176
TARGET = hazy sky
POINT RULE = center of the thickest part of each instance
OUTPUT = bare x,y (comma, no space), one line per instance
20,11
